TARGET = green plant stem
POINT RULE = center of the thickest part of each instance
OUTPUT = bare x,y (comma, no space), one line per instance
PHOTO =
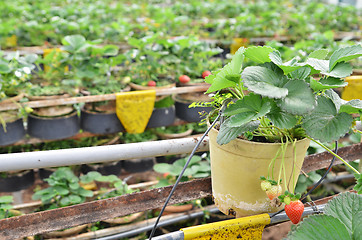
356,130
331,152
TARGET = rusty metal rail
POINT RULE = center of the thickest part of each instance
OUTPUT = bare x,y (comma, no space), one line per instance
40,222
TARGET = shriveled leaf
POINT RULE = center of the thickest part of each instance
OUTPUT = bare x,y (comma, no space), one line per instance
301,73
280,118
318,227
247,109
259,54
319,54
264,81
347,207
226,134
324,123
300,99
327,83
344,54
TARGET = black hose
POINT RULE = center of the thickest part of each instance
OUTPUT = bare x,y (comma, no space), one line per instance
180,176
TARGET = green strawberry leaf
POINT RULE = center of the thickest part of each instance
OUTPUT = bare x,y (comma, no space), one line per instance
229,76
287,67
344,54
339,71
226,133
300,99
259,54
280,118
358,186
318,227
347,207
353,106
319,54
324,123
301,73
247,109
264,81
327,83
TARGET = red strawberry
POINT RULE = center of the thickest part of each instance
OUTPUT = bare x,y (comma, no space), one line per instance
184,79
205,74
274,191
151,83
294,211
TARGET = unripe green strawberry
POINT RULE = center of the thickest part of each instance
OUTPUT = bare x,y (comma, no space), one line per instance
265,185
294,211
274,191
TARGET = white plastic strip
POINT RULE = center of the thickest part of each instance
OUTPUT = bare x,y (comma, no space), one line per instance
77,156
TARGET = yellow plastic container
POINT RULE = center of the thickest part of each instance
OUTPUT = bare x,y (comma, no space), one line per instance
354,88
46,52
11,41
236,168
238,43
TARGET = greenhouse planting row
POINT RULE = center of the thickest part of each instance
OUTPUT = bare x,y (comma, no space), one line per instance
270,89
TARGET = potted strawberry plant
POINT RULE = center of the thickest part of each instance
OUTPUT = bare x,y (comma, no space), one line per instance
15,73
270,112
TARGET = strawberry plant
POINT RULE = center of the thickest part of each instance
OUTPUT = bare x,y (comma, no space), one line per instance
283,102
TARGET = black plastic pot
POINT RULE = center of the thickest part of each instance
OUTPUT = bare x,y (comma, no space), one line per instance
14,132
138,165
162,117
190,114
20,181
114,168
53,128
100,123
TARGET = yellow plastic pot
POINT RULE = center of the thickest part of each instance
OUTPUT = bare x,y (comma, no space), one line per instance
354,88
236,168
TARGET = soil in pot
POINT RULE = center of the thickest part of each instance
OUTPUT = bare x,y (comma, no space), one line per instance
182,102
53,128
236,168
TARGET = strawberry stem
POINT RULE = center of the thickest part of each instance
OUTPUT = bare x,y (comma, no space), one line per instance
331,152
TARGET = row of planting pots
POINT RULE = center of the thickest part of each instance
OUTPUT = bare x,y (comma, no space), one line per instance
63,121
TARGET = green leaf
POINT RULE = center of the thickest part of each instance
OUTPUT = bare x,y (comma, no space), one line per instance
300,99
247,109
280,118
162,168
6,199
318,227
347,207
276,58
84,192
110,50
226,133
4,67
319,54
301,73
264,81
358,186
324,123
90,176
61,190
353,106
327,83
339,71
74,43
344,54
259,54
228,74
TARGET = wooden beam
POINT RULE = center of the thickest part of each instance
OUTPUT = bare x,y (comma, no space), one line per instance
96,98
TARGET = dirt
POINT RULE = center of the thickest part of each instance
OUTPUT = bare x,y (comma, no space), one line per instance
276,232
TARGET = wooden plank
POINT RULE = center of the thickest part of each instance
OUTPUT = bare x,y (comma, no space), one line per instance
97,98
35,223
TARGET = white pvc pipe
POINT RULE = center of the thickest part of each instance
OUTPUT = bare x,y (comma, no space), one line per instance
109,153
